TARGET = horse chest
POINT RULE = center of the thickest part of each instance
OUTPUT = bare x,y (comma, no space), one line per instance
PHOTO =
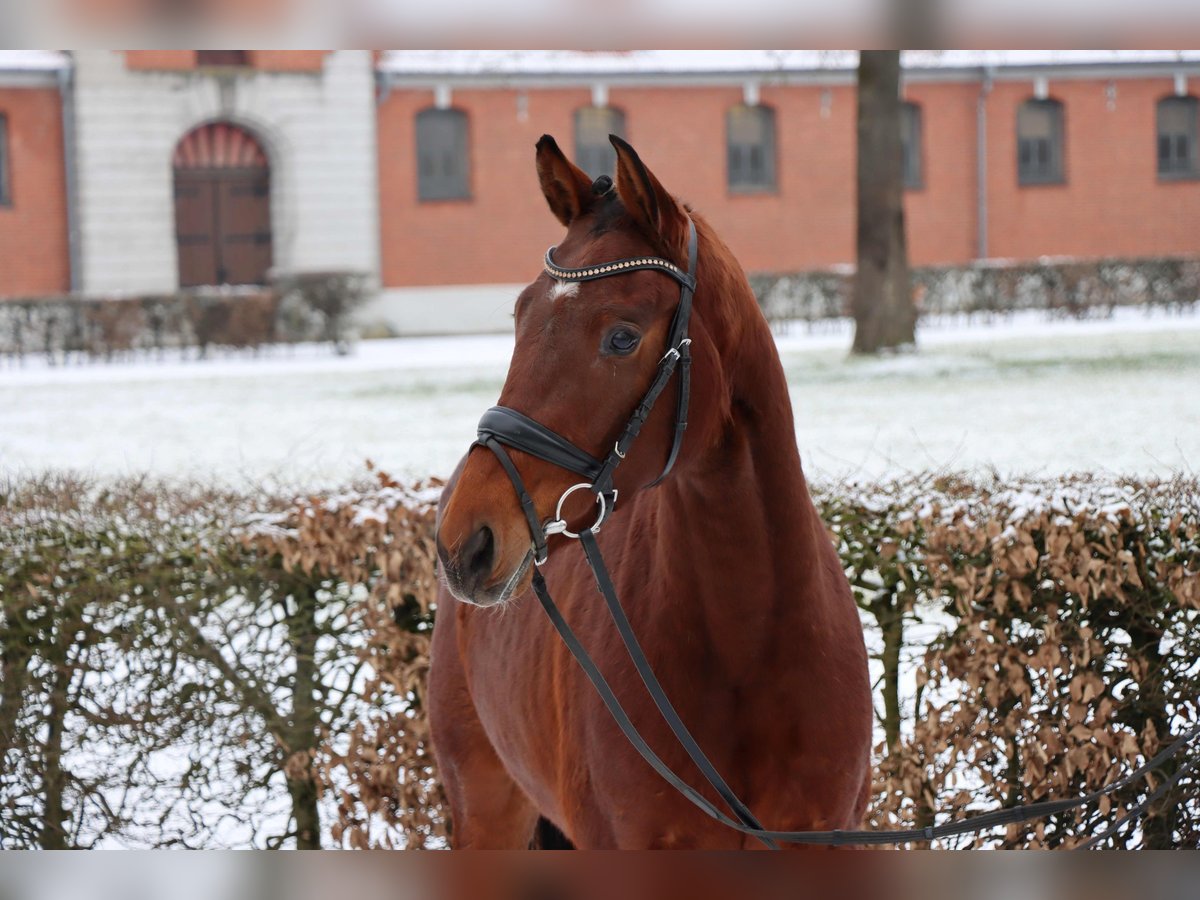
555,737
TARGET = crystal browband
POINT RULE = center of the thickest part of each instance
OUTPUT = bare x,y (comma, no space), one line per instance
617,267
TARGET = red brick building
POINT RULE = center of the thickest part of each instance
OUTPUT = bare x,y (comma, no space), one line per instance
34,257
966,202
1008,154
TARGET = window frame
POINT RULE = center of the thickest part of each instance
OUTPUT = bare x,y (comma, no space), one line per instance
617,118
6,194
223,59
770,184
917,153
463,137
1192,172
1058,144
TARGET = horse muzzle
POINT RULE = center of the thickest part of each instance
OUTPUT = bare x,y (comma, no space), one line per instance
473,571
483,544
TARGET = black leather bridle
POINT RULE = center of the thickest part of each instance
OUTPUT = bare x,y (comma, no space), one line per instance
502,427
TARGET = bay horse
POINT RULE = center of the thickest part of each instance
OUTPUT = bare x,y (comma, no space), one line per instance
730,580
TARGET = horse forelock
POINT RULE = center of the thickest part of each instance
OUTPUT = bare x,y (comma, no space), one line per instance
606,215
609,216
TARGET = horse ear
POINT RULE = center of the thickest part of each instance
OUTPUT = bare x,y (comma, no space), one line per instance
567,189
655,210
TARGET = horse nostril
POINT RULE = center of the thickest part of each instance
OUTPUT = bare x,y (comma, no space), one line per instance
480,552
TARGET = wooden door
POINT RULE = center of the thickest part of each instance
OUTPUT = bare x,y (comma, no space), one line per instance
223,226
195,229
222,207
243,216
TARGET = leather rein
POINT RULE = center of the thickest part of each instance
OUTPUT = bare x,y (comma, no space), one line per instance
501,427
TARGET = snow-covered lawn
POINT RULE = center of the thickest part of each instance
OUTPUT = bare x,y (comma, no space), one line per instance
1025,394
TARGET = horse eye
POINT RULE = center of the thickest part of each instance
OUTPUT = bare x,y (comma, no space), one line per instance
621,341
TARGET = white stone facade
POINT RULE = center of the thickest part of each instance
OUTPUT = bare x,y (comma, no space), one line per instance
318,129
444,309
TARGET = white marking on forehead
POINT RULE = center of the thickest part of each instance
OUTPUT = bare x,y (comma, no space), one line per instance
563,289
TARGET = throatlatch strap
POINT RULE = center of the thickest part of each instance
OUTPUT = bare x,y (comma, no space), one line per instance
681,409
679,340
603,481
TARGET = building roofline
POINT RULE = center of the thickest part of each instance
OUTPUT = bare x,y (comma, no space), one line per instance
498,69
32,68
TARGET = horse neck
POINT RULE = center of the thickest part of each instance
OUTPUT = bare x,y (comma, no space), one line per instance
741,503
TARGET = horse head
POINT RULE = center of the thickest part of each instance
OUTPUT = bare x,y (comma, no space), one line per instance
585,352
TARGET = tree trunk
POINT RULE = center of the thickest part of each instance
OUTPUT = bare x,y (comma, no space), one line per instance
306,719
54,779
884,315
14,663
889,614
304,796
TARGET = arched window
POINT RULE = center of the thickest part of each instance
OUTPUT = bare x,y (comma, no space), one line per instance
750,139
910,146
1177,137
1040,142
593,151
222,207
443,161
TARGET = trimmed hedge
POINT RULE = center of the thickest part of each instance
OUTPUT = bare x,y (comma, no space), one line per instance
1034,639
1062,620
1065,287
304,306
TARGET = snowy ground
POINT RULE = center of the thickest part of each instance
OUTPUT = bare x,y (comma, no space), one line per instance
1025,394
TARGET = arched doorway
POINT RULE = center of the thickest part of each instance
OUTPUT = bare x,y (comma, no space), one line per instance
222,207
